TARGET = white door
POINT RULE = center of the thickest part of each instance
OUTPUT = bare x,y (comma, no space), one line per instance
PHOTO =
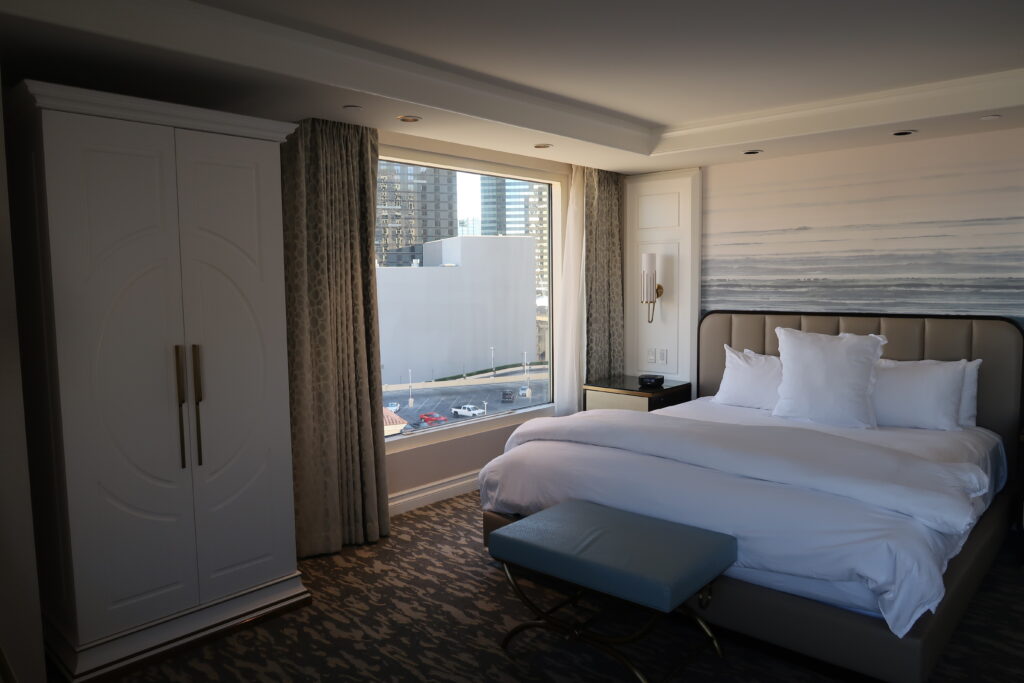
233,282
113,224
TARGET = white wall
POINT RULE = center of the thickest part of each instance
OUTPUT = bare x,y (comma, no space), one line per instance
662,216
21,633
441,320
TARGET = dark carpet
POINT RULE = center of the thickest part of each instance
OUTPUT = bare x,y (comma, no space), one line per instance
427,604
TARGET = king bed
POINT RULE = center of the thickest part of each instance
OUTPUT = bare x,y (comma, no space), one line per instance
860,547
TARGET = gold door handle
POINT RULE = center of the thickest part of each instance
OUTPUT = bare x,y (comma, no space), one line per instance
197,386
179,367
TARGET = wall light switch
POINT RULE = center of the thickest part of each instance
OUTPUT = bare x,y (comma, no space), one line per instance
651,358
663,356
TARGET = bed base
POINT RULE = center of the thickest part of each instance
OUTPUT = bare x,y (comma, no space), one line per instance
848,639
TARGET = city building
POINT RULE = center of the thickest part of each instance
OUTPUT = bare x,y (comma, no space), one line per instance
469,226
393,422
415,204
432,321
518,207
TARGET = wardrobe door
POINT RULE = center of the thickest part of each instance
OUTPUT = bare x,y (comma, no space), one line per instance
229,194
113,233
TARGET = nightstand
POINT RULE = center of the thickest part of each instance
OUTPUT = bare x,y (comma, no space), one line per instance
625,392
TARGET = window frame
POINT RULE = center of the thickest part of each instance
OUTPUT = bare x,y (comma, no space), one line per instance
559,185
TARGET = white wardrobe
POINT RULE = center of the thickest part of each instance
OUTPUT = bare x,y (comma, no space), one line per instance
164,362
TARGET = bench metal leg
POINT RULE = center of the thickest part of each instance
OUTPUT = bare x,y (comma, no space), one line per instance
575,629
706,629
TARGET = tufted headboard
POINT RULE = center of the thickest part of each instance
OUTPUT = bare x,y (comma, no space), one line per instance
997,341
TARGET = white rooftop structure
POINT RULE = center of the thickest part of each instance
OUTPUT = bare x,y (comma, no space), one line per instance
470,294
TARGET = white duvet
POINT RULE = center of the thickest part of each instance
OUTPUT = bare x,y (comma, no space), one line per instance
884,509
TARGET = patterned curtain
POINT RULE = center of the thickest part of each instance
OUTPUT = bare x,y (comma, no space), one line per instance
602,200
329,172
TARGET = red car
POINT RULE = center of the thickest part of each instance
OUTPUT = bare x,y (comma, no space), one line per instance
433,418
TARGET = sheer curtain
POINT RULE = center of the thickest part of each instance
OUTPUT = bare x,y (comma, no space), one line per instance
569,302
329,173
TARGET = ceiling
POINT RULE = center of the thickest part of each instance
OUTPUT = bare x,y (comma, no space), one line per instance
670,62
633,87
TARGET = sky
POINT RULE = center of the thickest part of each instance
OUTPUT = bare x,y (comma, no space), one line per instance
468,193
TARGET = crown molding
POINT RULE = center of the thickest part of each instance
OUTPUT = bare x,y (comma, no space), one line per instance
987,92
82,101
207,32
463,102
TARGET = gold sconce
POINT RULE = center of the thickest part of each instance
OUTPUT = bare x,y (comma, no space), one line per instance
650,290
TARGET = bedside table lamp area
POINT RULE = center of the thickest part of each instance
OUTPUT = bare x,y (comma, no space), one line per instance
627,393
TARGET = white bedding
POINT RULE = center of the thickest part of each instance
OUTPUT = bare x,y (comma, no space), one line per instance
791,537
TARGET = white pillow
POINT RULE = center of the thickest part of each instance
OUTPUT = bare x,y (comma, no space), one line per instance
968,409
828,378
922,394
750,380
969,396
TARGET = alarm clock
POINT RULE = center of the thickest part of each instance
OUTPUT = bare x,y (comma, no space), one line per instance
651,381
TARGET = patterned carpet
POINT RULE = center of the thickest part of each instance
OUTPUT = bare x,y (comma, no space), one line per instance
427,604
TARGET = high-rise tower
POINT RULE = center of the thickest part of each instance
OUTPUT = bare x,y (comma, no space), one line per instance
518,207
415,204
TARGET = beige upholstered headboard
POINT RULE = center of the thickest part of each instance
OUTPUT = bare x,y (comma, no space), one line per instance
998,342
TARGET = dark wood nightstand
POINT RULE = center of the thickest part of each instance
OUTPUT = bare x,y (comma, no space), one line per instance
626,393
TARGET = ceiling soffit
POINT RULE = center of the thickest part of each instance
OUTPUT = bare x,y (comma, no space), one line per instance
234,40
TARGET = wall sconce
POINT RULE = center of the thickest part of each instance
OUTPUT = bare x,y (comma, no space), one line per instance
650,290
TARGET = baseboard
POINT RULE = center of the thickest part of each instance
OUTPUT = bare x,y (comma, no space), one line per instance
104,659
416,497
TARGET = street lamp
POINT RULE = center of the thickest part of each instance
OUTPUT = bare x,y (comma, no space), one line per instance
493,374
410,388
526,371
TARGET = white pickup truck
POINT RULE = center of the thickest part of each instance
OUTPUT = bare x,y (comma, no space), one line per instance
468,410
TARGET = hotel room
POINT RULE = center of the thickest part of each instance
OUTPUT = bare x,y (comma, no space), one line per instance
335,335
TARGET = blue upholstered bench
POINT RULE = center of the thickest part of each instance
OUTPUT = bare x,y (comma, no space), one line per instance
643,560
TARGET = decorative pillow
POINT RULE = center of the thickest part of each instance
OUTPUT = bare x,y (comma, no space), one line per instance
828,378
967,414
922,394
750,380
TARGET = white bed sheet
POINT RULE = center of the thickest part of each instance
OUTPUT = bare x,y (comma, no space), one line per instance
975,445
801,541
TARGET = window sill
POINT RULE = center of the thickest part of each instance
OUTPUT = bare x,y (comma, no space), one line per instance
407,442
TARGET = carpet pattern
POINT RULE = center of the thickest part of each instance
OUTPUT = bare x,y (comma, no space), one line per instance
428,604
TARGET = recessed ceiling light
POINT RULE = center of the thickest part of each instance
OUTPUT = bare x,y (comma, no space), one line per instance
909,131
543,145
753,151
352,106
409,118
991,117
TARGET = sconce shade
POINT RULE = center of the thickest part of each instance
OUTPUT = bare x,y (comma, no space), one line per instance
648,278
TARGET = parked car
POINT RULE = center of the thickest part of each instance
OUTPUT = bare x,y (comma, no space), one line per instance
508,396
524,391
393,406
433,418
468,410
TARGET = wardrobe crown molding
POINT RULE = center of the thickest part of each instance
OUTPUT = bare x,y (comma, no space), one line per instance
83,101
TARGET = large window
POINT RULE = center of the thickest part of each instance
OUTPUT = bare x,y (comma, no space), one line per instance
463,284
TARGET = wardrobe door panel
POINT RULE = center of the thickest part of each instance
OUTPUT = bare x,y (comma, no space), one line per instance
113,232
233,281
